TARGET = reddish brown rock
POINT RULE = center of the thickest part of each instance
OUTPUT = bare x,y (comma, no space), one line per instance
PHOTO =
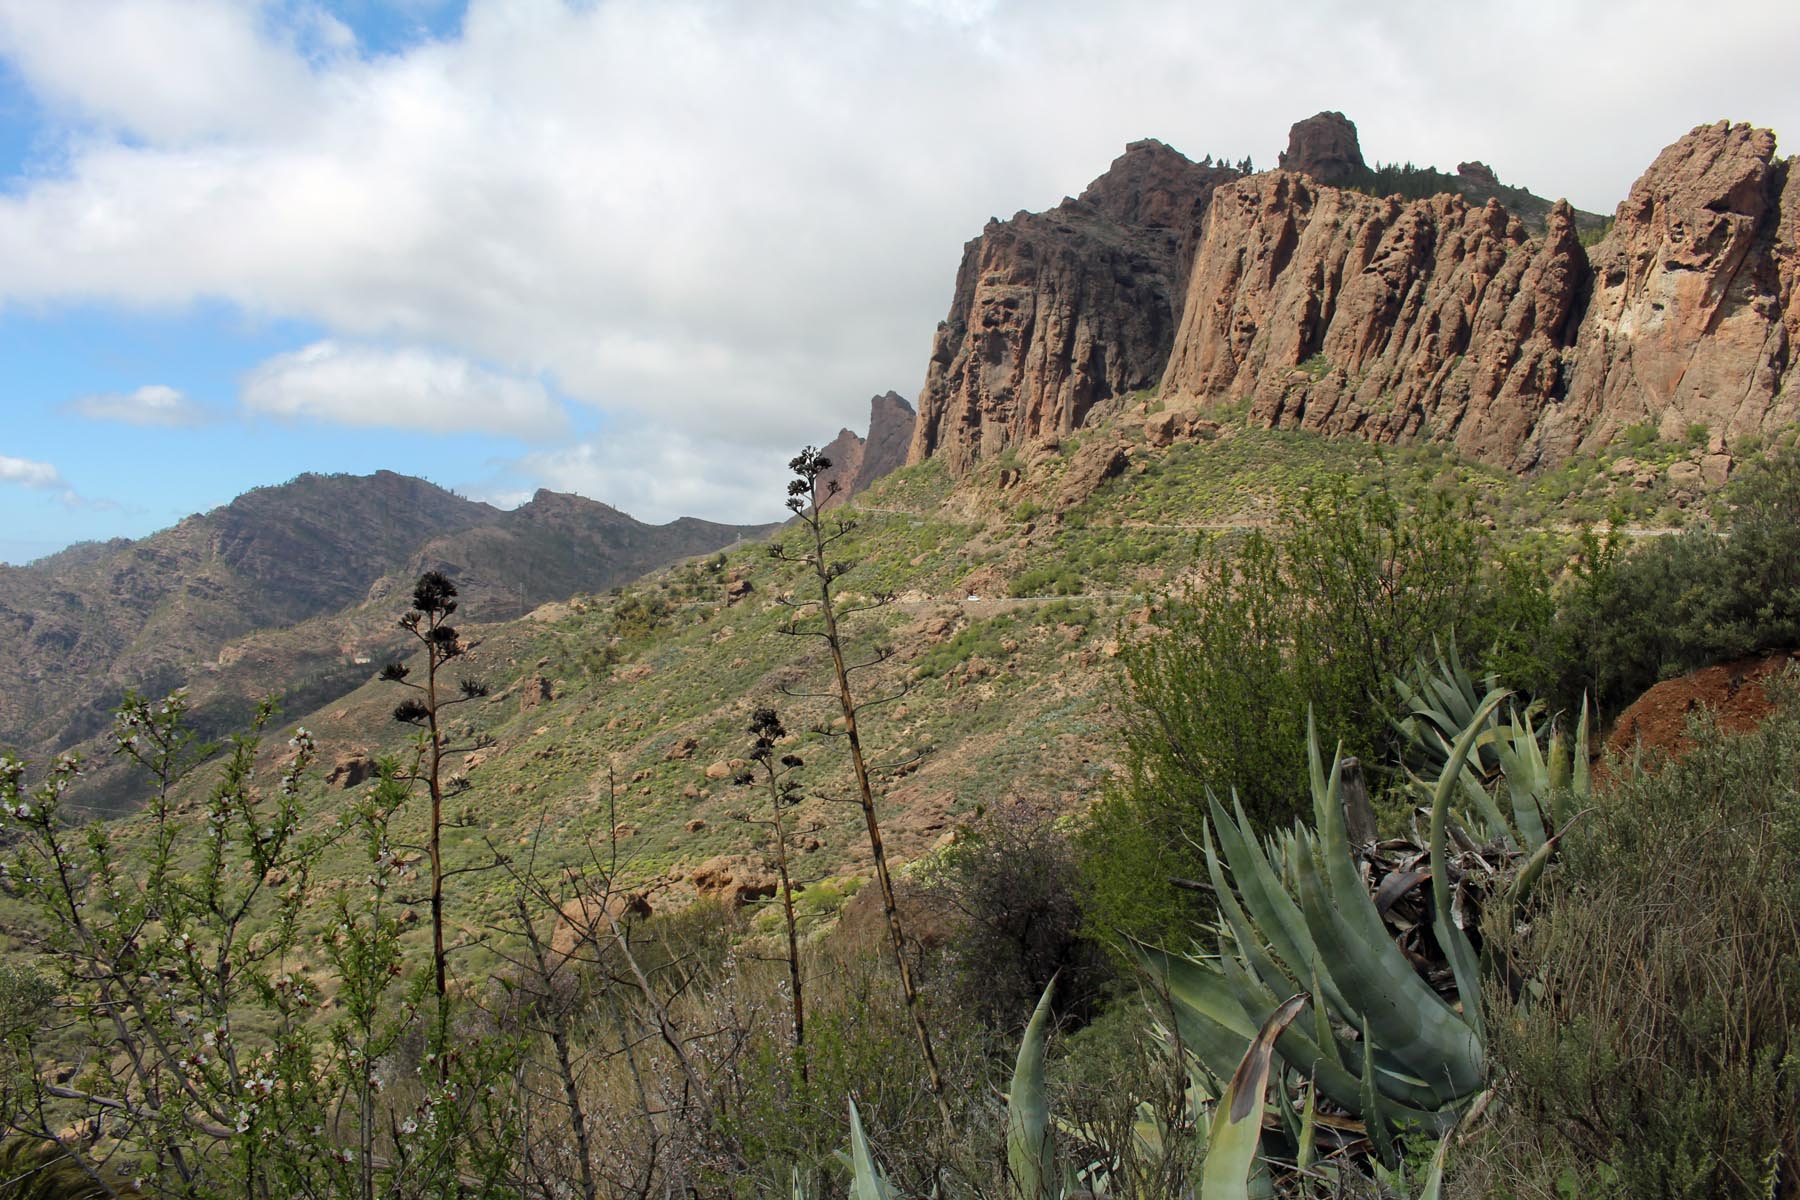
857,462
737,878
588,923
535,691
1325,147
1056,312
1388,319
351,770
1693,318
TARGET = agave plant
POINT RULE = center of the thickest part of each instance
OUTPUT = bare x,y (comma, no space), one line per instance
1306,911
1233,1132
34,1170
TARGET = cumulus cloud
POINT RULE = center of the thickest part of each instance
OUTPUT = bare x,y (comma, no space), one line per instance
407,388
151,405
696,215
30,473
656,474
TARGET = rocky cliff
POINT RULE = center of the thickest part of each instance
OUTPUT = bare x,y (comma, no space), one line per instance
1055,312
1347,314
1328,310
1449,317
1693,318
856,461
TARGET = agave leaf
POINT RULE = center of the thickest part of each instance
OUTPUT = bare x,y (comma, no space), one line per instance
1413,1024
1450,936
1434,1172
866,1179
1269,904
1309,1130
1237,1121
1030,1148
1374,1119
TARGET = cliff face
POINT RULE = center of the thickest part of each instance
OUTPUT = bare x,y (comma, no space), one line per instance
1055,312
857,462
1346,314
1445,318
1336,312
1693,318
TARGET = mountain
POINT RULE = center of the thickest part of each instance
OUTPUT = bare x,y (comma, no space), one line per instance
292,588
1443,318
1055,312
857,462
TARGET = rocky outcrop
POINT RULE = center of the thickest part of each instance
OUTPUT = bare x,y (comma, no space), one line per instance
1325,147
1348,314
857,462
1438,319
1471,315
1056,312
1693,319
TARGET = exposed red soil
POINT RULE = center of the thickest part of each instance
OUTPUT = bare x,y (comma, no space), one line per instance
1656,723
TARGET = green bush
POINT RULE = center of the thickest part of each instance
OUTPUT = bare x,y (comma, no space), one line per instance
1629,616
1352,584
1652,1036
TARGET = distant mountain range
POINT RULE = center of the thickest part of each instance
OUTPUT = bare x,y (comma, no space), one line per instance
292,588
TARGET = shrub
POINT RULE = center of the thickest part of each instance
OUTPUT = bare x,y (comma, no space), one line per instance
1653,1034
1009,879
1628,617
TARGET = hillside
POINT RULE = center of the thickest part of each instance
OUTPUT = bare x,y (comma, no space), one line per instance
290,589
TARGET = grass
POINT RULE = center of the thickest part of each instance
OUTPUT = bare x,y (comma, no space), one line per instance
637,669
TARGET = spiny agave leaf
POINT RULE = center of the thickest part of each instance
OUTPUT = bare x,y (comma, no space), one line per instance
1434,1173
866,1179
1413,1024
1309,1130
1534,866
1374,1119
1269,904
1237,1121
1581,785
1209,1018
1249,939
1450,937
1030,1149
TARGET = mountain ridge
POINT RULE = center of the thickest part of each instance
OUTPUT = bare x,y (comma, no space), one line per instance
292,587
1442,318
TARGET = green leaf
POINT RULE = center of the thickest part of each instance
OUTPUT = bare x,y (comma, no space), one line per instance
866,1180
1454,942
1236,1131
1030,1149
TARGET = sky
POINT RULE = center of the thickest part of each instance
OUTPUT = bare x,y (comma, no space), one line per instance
645,250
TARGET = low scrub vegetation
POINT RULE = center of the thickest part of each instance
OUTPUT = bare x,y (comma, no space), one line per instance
1464,965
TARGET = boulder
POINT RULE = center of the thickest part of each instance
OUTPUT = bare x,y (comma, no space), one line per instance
586,923
351,770
738,879
535,691
1325,147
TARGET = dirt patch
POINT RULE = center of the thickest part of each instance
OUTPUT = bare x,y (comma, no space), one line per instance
1656,723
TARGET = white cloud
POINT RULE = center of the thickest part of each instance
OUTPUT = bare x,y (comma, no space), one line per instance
407,388
30,473
154,404
657,475
697,215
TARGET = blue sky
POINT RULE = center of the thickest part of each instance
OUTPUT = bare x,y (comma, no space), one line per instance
645,249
